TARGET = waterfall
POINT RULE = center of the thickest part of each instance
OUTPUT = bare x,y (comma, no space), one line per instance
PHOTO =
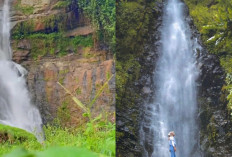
175,99
5,51
15,104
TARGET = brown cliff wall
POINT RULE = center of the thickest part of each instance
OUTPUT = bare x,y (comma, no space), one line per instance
81,69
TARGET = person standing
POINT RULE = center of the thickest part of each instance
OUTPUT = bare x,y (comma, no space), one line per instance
172,144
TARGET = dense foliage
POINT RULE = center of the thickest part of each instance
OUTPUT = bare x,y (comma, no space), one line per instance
98,137
213,19
102,15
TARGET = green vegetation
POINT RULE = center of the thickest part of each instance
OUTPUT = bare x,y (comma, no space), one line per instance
11,137
14,135
55,44
98,138
102,15
213,19
23,29
216,24
26,10
133,22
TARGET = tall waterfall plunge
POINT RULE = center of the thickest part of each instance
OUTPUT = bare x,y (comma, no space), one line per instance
175,104
15,104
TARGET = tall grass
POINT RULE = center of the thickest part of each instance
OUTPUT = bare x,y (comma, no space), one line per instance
98,138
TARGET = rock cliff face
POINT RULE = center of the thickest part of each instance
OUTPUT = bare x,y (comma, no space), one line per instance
81,69
214,121
81,76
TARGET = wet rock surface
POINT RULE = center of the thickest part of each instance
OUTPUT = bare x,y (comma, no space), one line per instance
215,124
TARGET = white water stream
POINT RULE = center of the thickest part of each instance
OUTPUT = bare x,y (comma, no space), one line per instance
175,103
15,104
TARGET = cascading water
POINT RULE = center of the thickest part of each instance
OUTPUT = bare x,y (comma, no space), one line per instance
15,106
175,105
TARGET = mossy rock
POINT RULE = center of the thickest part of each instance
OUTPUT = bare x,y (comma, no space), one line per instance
14,135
